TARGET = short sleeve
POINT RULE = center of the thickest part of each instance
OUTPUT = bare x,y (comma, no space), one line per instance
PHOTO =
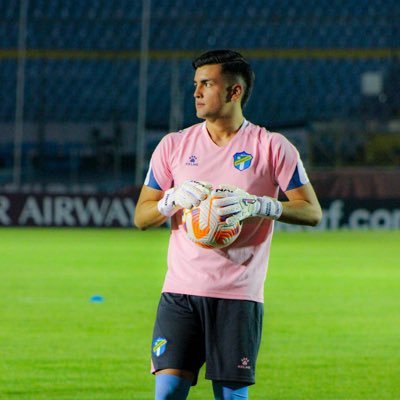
284,158
159,175
299,177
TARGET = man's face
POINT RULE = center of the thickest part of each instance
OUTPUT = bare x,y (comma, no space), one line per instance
212,92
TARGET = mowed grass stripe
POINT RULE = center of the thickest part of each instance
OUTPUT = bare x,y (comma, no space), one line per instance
331,327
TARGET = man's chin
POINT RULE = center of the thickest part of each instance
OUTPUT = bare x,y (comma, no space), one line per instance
200,115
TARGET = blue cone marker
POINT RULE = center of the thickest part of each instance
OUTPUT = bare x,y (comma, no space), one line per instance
97,298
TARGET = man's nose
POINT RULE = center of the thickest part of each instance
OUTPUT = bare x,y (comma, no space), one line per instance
197,92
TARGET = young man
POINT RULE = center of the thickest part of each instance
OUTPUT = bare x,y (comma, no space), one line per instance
211,306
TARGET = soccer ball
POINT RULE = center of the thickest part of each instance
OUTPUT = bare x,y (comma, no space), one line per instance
206,228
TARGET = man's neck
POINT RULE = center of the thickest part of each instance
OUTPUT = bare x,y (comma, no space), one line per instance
222,130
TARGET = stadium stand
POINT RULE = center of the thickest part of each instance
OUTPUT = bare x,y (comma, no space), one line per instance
76,87
83,57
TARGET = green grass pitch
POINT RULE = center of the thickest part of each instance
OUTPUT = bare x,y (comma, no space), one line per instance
332,315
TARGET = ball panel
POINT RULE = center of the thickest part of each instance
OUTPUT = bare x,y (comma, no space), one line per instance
198,233
206,228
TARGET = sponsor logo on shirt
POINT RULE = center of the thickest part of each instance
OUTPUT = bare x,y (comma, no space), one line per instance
192,161
159,346
242,161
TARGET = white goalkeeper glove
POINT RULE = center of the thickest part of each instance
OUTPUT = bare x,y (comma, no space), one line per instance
237,205
187,195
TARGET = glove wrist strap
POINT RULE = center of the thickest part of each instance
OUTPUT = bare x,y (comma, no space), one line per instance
270,208
166,205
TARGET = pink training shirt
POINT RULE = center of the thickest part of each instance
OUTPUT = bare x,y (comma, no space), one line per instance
257,161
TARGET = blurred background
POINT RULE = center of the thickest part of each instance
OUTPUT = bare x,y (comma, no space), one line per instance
88,88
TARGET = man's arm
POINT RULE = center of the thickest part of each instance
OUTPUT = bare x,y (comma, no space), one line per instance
146,213
302,207
155,206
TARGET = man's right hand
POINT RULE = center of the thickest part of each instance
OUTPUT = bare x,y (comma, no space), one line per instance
187,195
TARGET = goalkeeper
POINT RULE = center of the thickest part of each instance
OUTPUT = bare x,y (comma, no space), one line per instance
211,305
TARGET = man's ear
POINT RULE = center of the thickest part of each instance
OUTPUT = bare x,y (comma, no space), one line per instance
235,92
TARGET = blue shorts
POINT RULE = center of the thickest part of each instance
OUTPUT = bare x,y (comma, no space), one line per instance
225,334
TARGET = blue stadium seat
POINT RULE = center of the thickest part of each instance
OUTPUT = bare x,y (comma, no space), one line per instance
83,89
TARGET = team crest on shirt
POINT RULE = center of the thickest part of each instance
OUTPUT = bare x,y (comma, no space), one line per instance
159,346
242,161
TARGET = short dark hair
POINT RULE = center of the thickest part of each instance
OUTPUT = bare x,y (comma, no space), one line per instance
232,63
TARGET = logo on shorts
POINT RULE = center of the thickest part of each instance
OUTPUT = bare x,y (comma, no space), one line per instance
244,363
242,161
159,346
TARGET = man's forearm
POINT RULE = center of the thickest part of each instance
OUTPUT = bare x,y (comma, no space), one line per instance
148,216
300,212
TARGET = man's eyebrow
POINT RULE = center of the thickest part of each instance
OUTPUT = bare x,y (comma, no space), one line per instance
205,80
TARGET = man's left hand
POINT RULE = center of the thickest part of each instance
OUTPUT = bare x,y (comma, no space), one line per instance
237,205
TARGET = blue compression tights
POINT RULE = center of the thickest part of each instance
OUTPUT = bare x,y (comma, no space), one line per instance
171,387
226,391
